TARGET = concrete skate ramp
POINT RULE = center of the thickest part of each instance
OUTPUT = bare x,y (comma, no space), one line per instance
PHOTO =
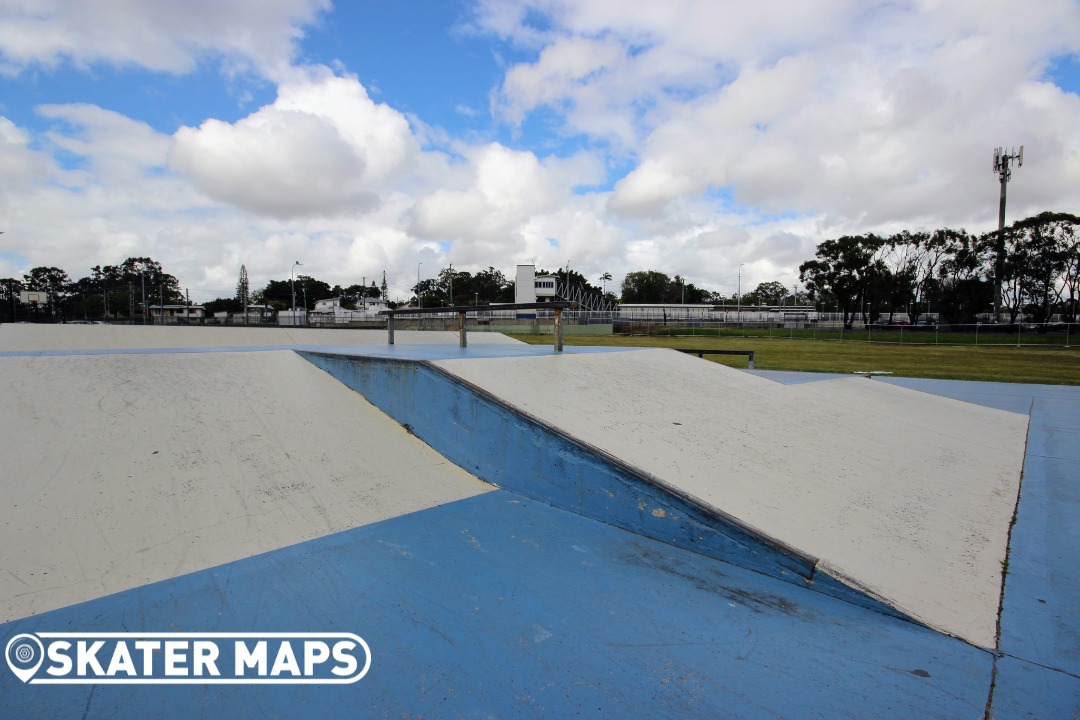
121,470
28,337
904,495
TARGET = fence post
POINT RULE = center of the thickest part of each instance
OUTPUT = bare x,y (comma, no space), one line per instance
558,330
390,329
462,341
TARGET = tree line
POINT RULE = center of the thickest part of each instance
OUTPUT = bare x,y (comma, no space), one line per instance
951,273
108,291
948,272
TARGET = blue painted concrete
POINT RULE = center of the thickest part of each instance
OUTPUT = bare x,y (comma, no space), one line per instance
505,447
508,449
1024,690
499,606
1040,619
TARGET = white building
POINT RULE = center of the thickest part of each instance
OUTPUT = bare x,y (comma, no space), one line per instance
330,310
532,288
174,313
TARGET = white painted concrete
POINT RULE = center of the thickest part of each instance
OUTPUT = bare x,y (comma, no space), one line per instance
15,337
907,494
120,470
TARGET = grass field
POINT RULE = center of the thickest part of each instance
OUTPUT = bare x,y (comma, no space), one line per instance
1043,365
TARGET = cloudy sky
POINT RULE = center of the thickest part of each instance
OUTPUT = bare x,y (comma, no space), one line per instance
686,136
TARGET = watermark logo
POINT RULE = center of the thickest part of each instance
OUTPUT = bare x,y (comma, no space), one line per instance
187,658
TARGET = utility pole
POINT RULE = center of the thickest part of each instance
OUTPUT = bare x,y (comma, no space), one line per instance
738,301
292,284
1002,166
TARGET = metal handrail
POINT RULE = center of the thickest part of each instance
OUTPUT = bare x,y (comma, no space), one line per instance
701,353
463,310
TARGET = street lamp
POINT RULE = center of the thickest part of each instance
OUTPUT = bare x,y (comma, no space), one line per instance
738,301
292,284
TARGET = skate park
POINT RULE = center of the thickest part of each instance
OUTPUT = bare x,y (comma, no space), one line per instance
518,532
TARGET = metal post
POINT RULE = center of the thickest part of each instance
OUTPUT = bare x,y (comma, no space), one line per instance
390,330
999,247
558,330
462,342
738,302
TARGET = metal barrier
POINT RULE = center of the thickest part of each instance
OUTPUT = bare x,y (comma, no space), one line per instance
701,353
463,310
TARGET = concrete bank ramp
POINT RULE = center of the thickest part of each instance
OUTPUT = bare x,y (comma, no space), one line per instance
122,470
904,495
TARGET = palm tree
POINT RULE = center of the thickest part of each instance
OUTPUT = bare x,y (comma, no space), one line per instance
604,278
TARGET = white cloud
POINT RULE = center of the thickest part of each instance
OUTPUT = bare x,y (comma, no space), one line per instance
323,147
20,167
719,135
164,36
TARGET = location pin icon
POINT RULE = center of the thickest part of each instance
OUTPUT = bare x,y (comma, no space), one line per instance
24,654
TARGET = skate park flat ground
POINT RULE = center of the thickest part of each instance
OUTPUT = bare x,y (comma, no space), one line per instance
218,481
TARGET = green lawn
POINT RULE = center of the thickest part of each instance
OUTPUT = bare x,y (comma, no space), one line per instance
1046,365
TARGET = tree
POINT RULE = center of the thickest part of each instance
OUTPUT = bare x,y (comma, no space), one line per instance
223,305
910,260
959,290
9,298
605,279
491,286
56,284
1045,248
844,268
242,288
384,290
767,293
647,286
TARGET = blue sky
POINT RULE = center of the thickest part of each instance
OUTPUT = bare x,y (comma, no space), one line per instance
689,137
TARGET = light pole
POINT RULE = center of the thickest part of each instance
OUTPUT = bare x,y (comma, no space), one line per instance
1002,163
419,300
738,301
292,285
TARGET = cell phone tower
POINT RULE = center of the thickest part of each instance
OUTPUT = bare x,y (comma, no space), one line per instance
1003,167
